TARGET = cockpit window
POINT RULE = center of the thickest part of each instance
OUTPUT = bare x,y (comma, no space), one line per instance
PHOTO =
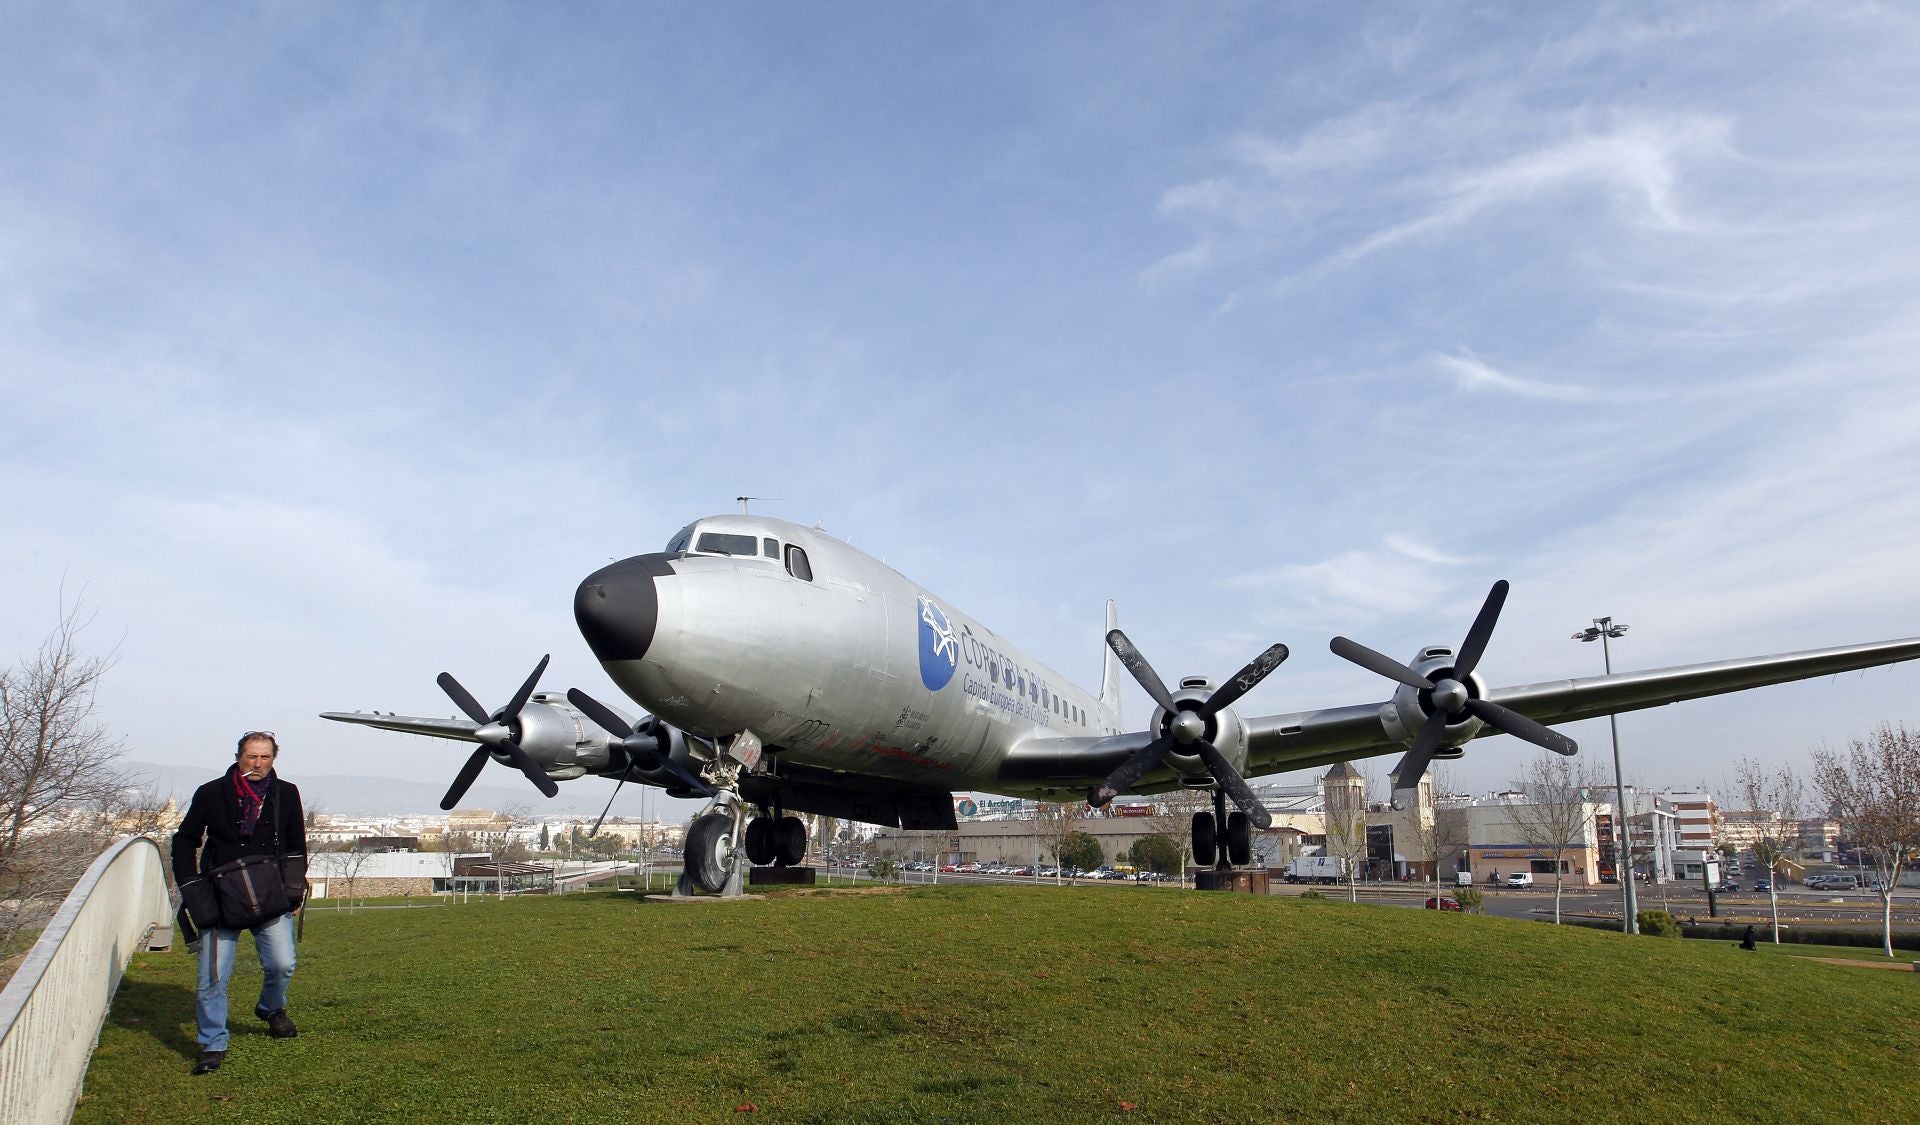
681,540
770,547
797,563
721,543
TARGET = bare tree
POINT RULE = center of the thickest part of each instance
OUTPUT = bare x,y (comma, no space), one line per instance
1774,804
1175,820
1874,790
1556,819
63,796
1440,834
1054,822
1346,824
351,860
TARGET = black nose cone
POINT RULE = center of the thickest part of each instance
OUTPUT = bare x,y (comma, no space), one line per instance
618,609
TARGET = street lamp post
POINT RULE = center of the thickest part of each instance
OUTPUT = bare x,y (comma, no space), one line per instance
1602,629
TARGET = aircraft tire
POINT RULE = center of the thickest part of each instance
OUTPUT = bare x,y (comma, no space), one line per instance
790,842
1205,847
760,841
1239,839
709,855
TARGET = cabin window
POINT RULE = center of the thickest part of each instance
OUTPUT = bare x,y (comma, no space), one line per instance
721,543
797,563
770,547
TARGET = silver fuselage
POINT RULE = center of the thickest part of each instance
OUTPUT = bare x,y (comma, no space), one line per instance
852,668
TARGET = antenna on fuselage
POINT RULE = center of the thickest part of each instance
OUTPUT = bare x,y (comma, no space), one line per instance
743,502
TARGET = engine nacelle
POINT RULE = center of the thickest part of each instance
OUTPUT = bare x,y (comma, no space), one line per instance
1404,715
566,743
1225,730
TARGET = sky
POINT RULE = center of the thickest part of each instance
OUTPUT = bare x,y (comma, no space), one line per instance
339,342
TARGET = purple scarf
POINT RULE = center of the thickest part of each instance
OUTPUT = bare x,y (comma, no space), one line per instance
252,799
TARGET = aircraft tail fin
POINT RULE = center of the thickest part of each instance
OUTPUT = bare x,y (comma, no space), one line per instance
1111,675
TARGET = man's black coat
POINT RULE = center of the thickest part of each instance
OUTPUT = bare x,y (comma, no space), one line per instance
212,827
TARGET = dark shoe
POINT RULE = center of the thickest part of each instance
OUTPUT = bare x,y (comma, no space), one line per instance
278,1025
209,1061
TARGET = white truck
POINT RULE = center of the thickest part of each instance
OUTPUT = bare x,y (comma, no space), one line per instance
1315,869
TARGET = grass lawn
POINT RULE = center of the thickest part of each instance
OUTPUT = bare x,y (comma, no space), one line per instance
1850,952
996,1004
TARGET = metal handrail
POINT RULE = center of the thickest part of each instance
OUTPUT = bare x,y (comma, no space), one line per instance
52,1010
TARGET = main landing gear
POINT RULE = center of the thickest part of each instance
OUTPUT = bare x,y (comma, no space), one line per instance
1226,849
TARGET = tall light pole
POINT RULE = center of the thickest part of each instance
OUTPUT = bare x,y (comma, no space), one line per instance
1602,629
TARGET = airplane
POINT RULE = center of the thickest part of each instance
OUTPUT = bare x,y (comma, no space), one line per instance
783,670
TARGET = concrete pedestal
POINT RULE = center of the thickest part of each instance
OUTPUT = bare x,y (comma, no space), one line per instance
1245,882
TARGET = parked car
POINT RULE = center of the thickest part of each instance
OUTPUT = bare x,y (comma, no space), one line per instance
1520,879
1442,904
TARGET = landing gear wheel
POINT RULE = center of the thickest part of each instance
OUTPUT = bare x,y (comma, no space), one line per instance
1239,839
1205,849
760,849
710,856
790,842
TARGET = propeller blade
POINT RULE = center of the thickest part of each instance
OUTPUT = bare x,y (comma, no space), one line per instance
1235,785
526,691
1130,771
1376,662
1477,637
599,713
1143,673
1243,681
461,699
1414,763
464,779
608,809
525,763
1521,727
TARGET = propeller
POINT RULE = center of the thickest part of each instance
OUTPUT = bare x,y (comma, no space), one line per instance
1186,729
1451,698
648,749
496,733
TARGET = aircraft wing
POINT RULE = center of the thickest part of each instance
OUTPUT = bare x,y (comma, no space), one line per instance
1311,739
458,729
1318,738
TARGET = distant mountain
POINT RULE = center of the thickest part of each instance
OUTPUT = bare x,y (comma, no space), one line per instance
388,796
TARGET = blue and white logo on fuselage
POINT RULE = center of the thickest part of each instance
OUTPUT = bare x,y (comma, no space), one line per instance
939,648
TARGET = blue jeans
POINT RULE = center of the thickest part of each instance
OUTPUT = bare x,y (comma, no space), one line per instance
273,940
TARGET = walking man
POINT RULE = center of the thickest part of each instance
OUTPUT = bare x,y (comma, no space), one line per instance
248,811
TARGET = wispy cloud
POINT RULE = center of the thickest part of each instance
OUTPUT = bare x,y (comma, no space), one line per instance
1474,375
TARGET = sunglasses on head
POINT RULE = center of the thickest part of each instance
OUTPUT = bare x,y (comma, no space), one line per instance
240,747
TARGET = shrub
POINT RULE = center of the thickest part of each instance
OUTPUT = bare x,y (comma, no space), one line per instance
1083,851
885,870
1157,853
1657,923
1469,899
